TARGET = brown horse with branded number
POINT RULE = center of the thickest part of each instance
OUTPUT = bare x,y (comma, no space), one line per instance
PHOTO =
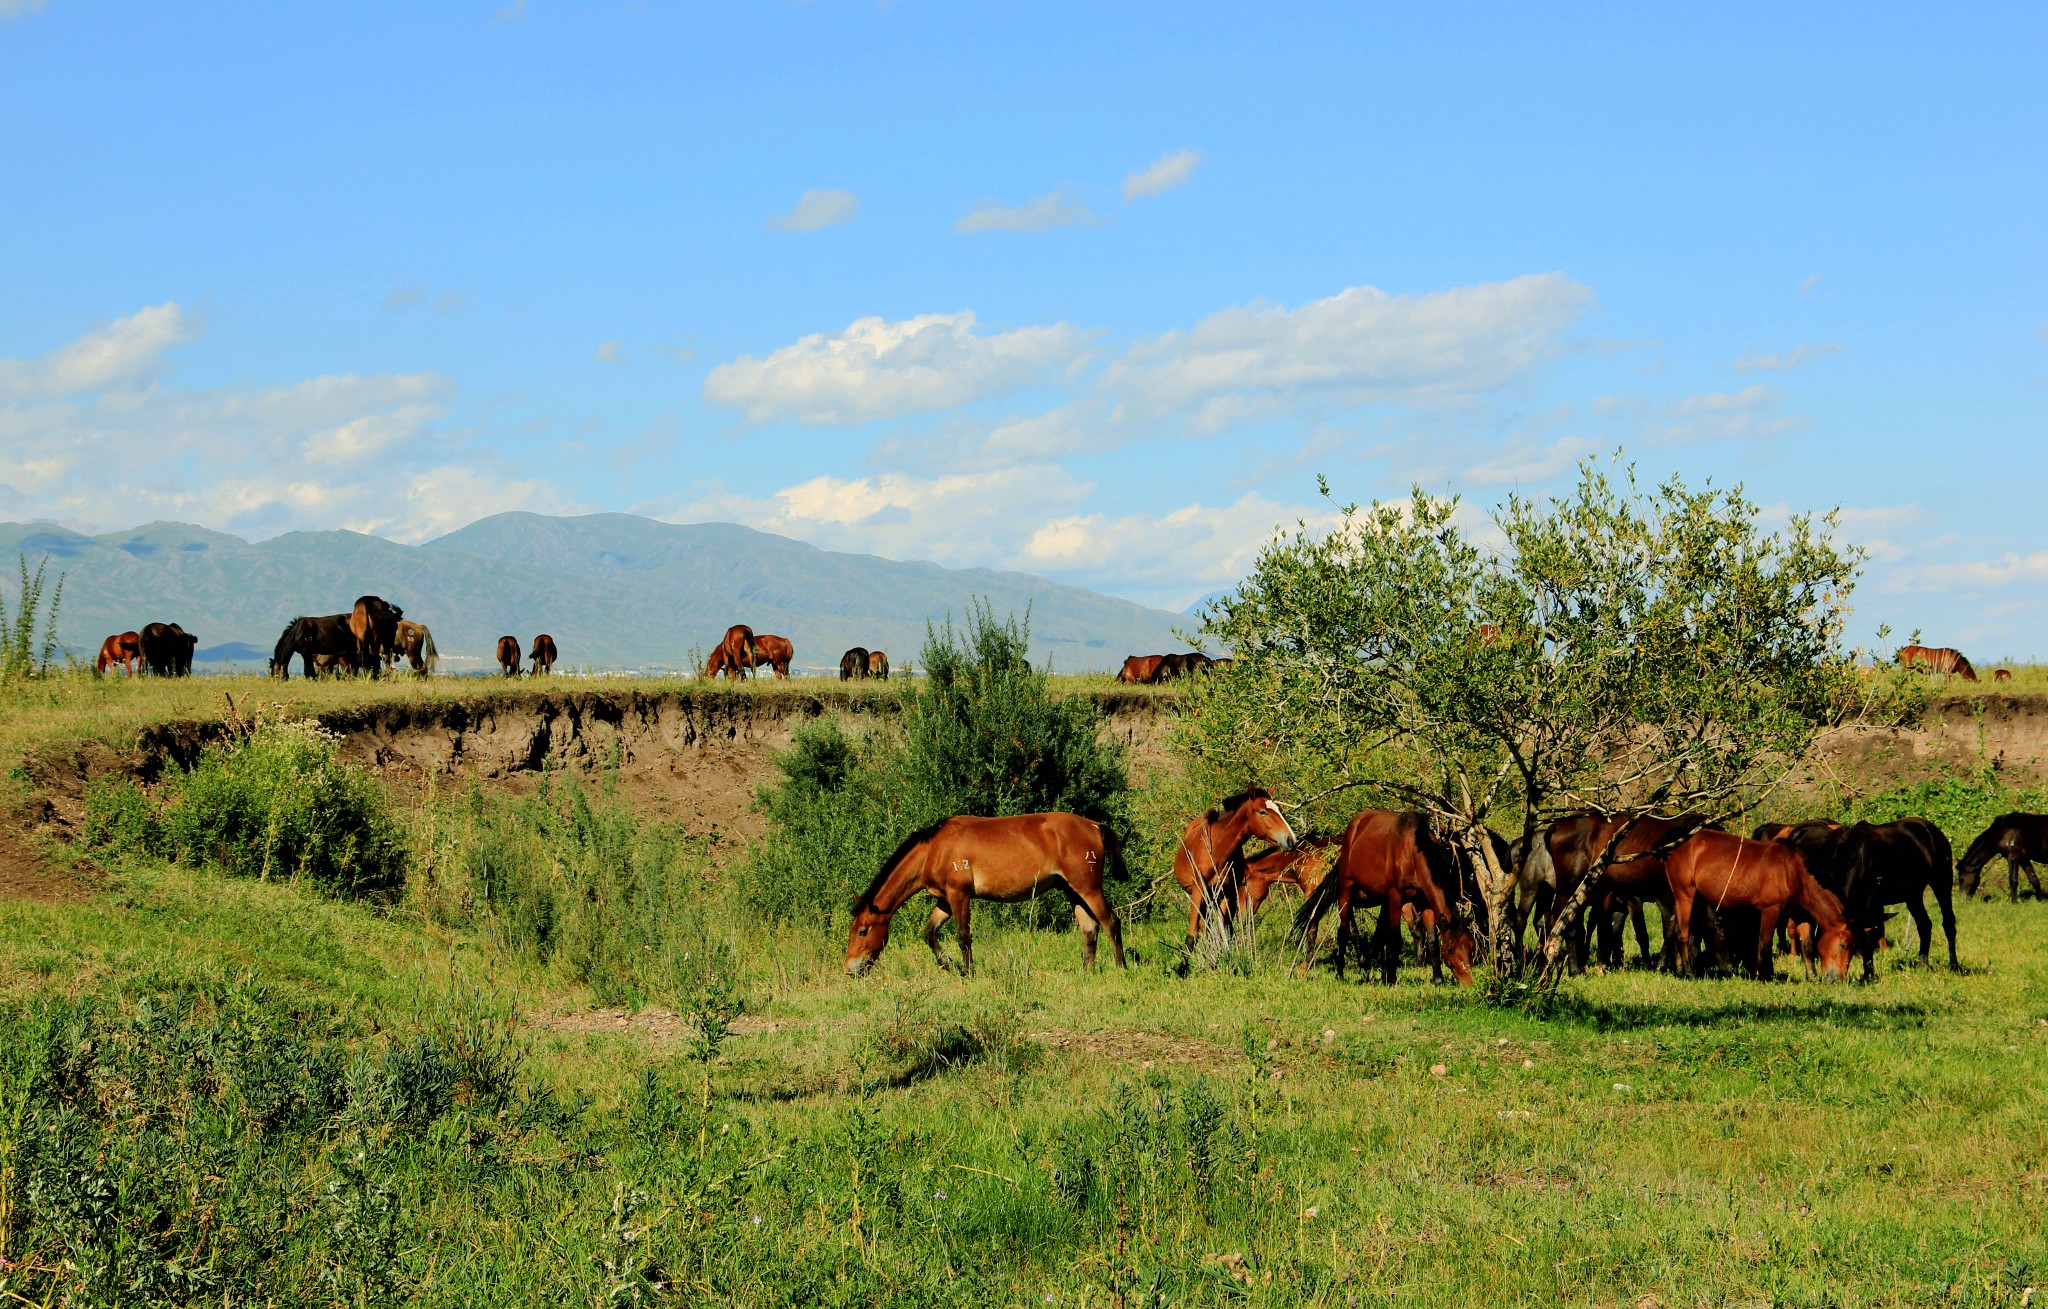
735,653
1724,869
542,654
1208,860
508,655
123,648
1391,860
1937,659
963,859
416,647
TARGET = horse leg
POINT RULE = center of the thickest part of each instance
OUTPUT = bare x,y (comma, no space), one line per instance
931,934
1944,898
1642,925
1389,940
1766,939
1923,923
1101,915
960,901
1084,923
1681,924
1343,928
1194,915
2027,867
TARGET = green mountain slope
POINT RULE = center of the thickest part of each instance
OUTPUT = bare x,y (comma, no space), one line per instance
613,589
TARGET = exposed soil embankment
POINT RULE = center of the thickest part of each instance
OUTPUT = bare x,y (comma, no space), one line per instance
2010,732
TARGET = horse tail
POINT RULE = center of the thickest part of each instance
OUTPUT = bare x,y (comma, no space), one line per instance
1114,869
427,650
1314,905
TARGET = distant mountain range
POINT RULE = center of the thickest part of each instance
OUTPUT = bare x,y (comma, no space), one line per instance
615,591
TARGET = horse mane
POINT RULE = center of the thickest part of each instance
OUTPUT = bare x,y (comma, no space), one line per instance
866,898
286,641
1236,802
1963,664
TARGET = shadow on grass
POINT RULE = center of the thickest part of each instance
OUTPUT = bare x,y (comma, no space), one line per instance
1608,1015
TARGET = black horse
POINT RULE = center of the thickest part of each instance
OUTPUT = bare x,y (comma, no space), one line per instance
1872,865
329,637
167,649
853,664
2021,838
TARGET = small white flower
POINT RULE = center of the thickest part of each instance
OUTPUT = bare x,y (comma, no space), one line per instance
938,1195
757,1220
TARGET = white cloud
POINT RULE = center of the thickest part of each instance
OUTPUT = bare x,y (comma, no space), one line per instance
1746,415
877,369
818,208
1359,346
1529,463
1182,553
1812,280
126,351
1978,574
1058,209
610,352
1162,174
1804,353
512,13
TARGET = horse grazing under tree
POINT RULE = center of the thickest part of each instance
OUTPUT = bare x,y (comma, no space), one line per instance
1005,859
735,653
542,654
1937,659
374,623
1207,863
1392,860
167,649
1726,870
773,652
878,665
2021,838
1575,847
853,664
416,646
508,655
327,638
123,648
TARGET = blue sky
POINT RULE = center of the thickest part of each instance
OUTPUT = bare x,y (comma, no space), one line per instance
1093,291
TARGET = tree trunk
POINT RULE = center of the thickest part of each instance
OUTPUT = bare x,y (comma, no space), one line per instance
1496,888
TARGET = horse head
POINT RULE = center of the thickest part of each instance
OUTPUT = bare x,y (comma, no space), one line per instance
865,939
1834,949
1264,820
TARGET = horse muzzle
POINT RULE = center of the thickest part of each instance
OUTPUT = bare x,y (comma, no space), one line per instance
859,967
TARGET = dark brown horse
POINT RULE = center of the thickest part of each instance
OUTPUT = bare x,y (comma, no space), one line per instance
1007,859
1937,659
125,649
311,638
542,655
773,652
2021,838
167,649
853,664
374,624
508,655
735,653
1579,844
1882,864
1727,871
1138,670
1207,862
1391,860
1180,665
878,665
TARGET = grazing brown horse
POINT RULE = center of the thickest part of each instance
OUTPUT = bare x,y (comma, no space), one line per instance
1139,670
878,664
315,638
2001,674
374,624
735,653
542,655
1006,859
125,649
1392,860
2021,838
416,647
1937,659
853,664
1208,861
1574,847
1180,665
1726,870
508,655
167,649
773,652
1301,867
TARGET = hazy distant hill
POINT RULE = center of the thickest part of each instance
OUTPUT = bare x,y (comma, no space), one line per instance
614,590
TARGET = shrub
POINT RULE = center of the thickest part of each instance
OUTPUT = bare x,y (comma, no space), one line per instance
840,807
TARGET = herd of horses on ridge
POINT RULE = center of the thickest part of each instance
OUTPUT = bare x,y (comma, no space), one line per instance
1821,889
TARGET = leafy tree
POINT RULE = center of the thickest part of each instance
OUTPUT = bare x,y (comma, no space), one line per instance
1613,649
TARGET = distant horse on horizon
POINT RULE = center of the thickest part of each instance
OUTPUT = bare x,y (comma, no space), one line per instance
123,648
543,655
327,638
734,654
508,655
167,649
1937,659
374,624
853,664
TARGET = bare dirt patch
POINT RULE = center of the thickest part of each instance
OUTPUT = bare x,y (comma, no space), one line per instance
1130,1045
28,871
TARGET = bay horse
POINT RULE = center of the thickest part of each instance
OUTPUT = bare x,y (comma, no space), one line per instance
2021,838
1573,848
508,655
1723,869
374,623
416,647
878,665
1892,863
308,638
1208,861
543,655
961,859
167,649
734,654
1392,860
853,664
1302,867
123,648
773,652
1937,659
2001,674
1139,670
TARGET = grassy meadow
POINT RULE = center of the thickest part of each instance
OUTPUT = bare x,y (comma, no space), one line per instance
564,1063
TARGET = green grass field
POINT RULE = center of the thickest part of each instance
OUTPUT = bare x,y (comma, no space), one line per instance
229,1091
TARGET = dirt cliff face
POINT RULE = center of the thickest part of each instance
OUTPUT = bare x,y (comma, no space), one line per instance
1958,734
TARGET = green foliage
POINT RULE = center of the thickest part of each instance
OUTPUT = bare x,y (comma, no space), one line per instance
278,803
983,734
28,635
